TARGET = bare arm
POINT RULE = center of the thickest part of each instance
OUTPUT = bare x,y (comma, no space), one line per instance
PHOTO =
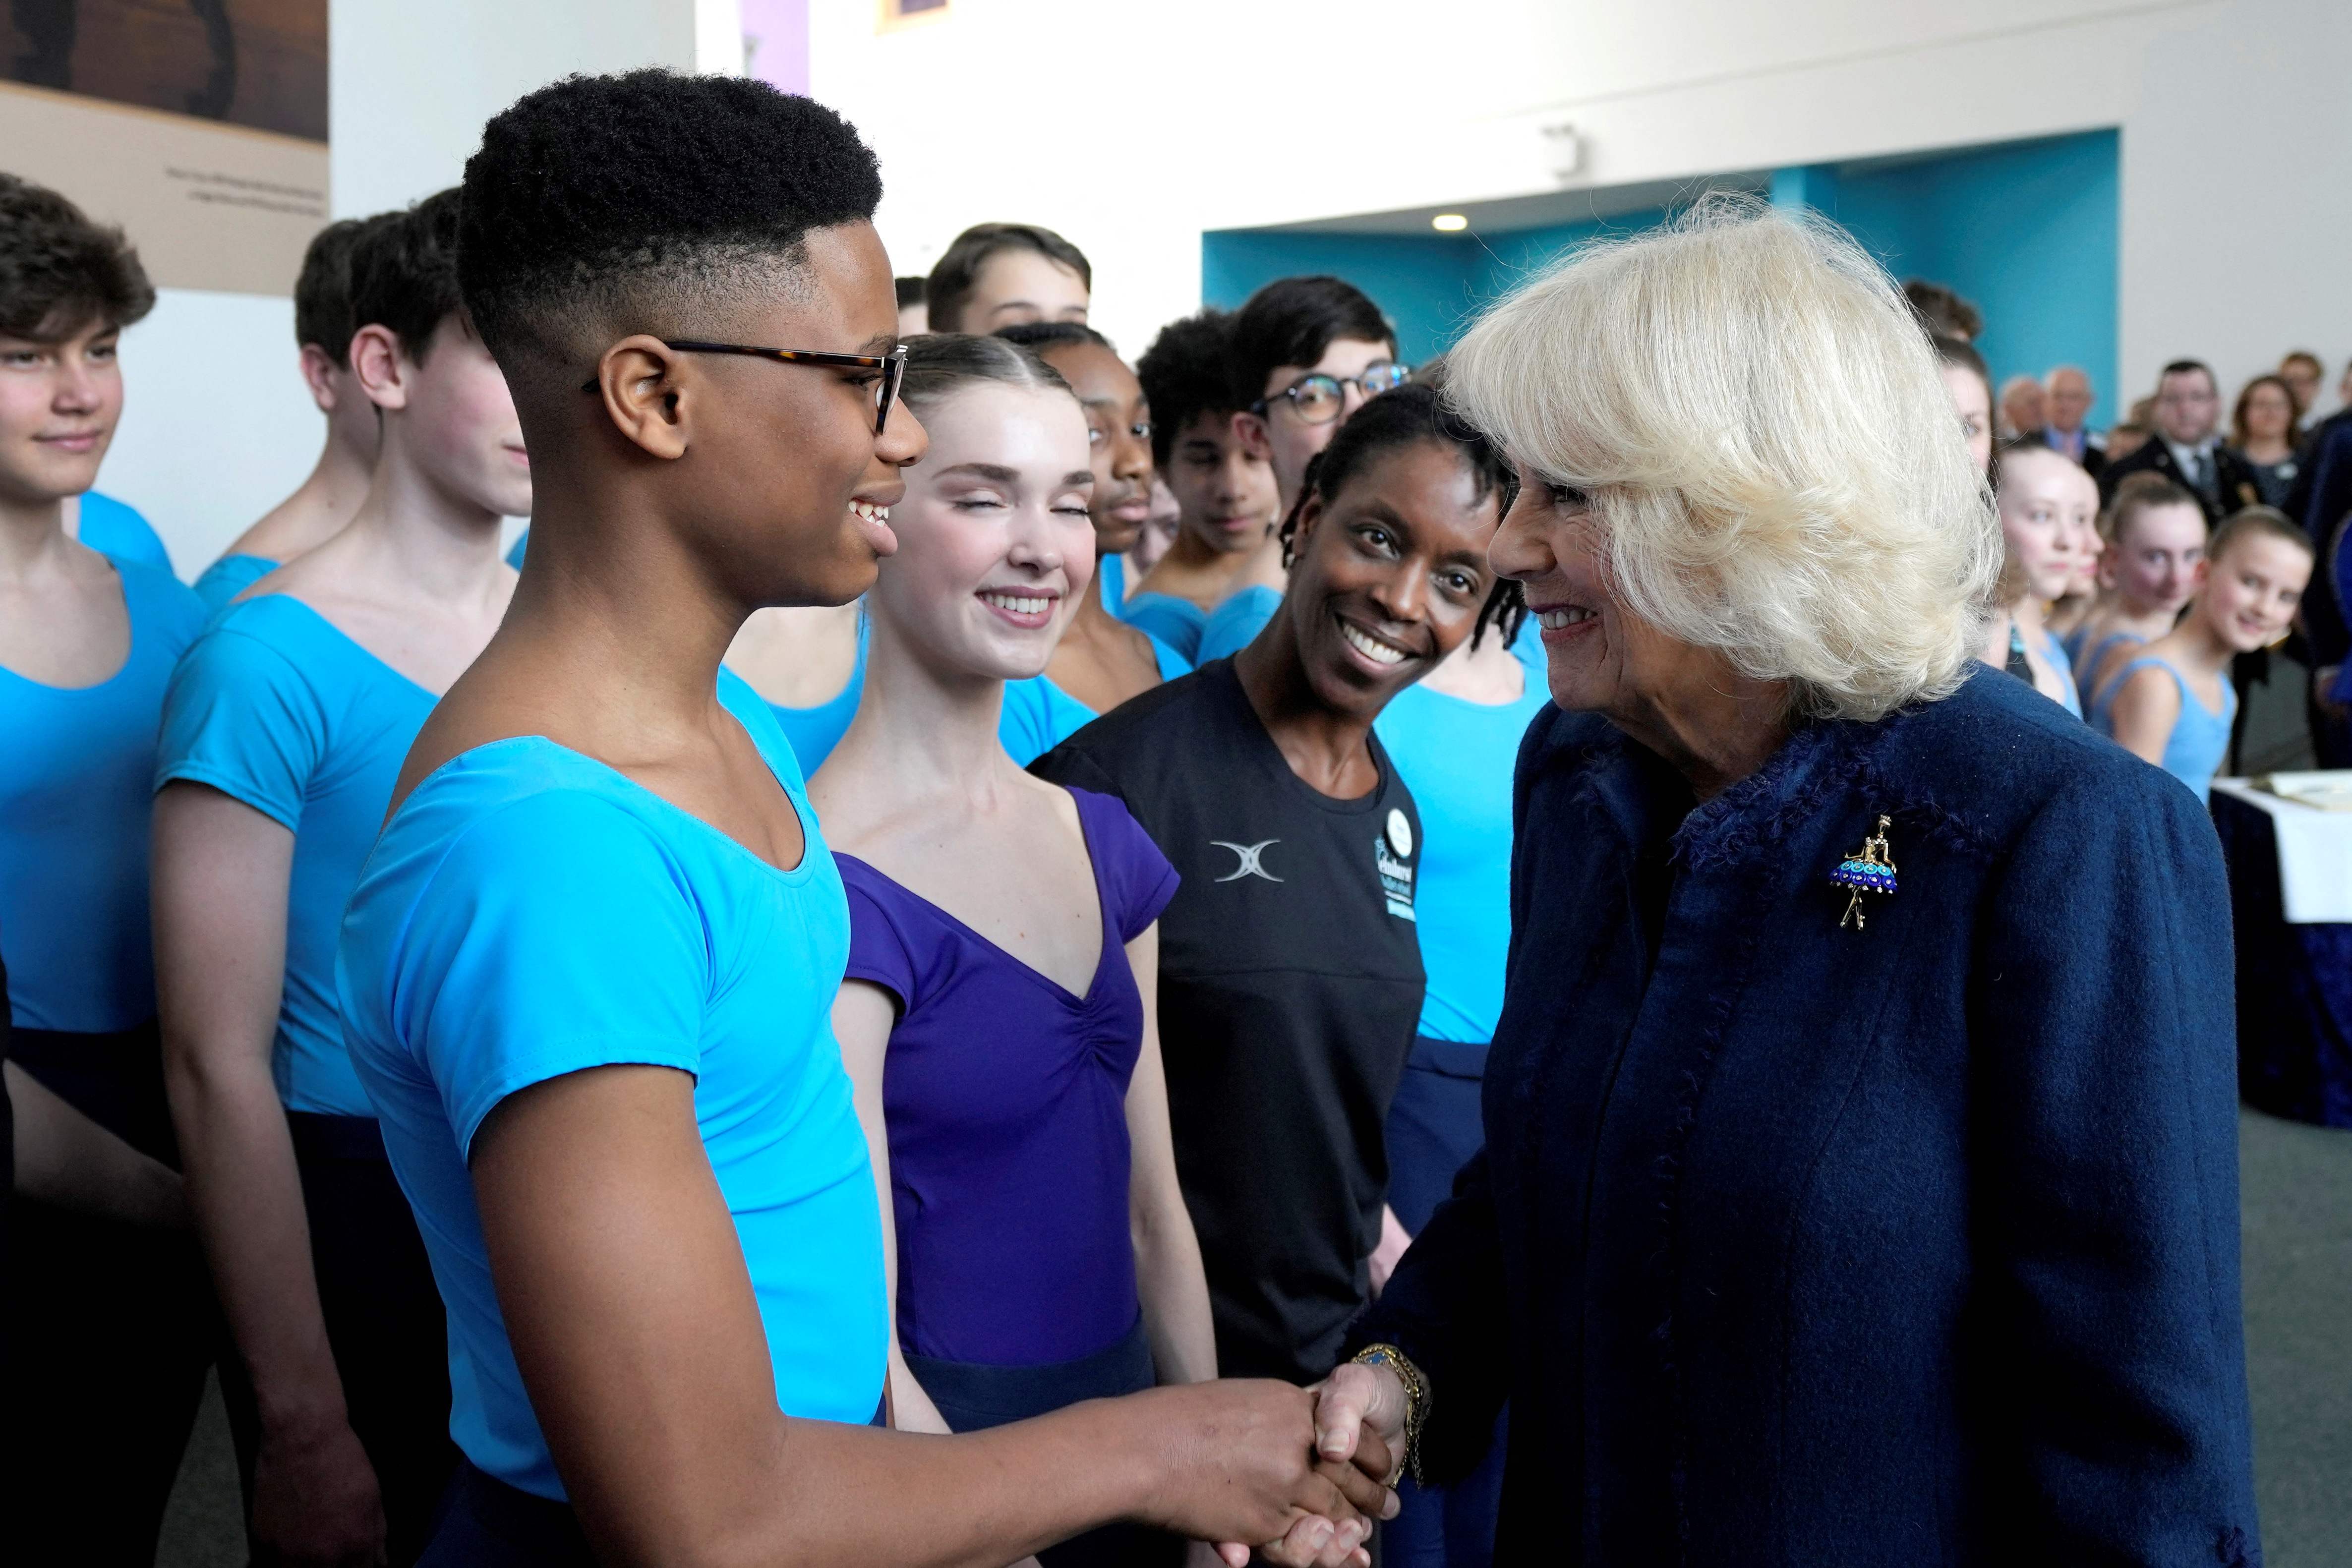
219,897
65,1158
633,1324
1167,1273
863,1017
2144,710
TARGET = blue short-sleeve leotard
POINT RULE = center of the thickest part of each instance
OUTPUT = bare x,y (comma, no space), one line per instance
1039,716
528,913
115,529
275,708
75,779
230,576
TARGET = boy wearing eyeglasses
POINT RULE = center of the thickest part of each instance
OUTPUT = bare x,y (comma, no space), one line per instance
1307,353
588,971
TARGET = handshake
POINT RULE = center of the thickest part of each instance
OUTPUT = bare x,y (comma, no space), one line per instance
1302,1474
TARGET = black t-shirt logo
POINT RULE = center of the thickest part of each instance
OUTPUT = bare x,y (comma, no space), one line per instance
1252,858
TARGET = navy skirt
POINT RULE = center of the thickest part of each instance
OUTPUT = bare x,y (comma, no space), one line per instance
974,1397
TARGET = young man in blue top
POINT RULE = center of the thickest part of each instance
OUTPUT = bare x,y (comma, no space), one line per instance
282,733
105,1327
587,973
324,502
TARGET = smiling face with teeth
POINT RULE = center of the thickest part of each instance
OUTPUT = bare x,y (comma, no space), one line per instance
995,543
1389,574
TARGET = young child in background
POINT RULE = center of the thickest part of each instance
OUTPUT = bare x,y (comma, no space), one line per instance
2172,703
2156,539
2047,507
1225,494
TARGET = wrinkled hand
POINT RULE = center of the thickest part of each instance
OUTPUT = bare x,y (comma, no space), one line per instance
1241,1467
1356,1401
315,1501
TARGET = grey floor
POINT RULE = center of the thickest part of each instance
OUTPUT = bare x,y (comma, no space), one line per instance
2297,1183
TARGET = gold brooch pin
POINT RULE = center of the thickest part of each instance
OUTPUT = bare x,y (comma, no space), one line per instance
1867,870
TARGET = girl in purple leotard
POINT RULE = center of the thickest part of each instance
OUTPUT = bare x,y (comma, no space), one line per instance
997,1017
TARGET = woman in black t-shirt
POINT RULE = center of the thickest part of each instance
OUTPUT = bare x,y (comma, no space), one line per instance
1290,973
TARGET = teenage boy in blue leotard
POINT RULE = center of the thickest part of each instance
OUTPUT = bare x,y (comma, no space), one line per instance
325,501
587,974
283,730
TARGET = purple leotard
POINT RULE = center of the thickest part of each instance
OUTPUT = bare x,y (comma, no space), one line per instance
1005,1097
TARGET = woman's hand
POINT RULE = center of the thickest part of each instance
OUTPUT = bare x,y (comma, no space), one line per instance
1240,1463
1355,1399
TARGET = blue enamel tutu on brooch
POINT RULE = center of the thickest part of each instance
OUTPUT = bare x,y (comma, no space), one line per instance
1867,870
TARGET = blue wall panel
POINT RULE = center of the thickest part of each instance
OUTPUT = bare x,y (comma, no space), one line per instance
2028,230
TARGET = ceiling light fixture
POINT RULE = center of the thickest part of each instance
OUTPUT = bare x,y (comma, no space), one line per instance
1449,222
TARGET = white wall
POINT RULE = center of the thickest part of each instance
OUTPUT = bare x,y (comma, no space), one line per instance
1131,129
216,427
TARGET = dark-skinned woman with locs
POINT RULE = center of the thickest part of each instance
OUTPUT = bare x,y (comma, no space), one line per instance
1290,975
1860,1180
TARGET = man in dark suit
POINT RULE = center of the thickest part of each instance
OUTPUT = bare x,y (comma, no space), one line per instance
2188,449
2068,397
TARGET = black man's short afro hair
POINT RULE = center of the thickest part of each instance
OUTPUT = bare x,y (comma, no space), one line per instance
1186,374
598,206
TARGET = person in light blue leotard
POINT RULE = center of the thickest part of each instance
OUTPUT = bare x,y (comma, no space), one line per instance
2048,509
2154,705
113,529
585,976
105,1320
1225,492
338,482
283,732
1100,661
2155,537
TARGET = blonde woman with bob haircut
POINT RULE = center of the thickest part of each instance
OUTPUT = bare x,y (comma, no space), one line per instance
1860,1180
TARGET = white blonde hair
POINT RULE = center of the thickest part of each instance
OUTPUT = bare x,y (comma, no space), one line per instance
1772,462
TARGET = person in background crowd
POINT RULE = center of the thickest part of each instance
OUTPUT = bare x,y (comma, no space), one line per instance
101,522
2071,609
1098,662
1304,353
1291,980
1942,312
2125,438
914,314
2069,399
587,974
1001,275
2049,509
1159,533
1797,1240
1004,954
324,502
2172,703
2189,452
2321,503
1971,386
2024,409
2303,372
106,1325
1227,502
2156,535
2263,432
283,731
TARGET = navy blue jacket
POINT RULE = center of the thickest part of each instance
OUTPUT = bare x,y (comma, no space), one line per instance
1797,1245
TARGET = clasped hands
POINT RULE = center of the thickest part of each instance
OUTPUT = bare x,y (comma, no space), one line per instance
1331,1490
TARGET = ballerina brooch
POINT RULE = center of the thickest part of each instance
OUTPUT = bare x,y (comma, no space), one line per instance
1867,870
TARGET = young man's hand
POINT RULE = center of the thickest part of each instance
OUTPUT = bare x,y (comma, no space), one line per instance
1241,1467
316,1503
